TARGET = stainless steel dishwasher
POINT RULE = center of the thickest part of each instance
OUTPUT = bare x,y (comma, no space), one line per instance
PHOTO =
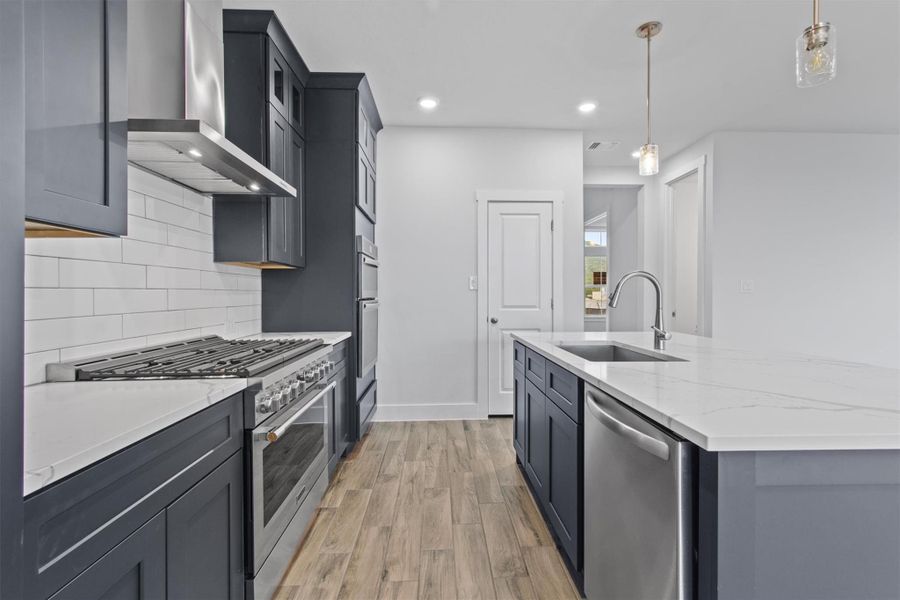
637,506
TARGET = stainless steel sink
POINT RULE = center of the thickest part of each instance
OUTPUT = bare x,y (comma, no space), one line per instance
612,352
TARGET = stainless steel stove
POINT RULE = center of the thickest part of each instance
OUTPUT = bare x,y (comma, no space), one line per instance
287,408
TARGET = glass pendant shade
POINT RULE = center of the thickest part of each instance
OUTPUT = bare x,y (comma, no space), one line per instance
648,163
816,55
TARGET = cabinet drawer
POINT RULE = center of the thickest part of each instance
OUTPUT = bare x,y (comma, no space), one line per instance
72,524
366,408
518,356
564,389
535,367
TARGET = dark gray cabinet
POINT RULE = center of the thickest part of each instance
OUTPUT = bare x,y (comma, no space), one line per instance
204,537
519,421
265,80
133,570
190,473
340,206
76,116
536,451
563,489
548,437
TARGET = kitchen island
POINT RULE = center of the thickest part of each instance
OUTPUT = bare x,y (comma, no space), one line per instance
794,460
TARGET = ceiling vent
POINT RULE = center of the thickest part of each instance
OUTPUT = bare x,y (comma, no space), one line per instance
603,146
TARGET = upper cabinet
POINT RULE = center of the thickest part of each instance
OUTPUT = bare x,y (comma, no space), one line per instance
265,80
76,117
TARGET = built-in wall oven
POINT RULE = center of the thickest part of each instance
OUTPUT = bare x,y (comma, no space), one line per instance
367,309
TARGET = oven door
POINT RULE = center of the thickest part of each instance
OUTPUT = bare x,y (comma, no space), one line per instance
367,286
288,453
368,336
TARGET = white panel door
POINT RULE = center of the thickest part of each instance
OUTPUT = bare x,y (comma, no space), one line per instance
520,287
685,247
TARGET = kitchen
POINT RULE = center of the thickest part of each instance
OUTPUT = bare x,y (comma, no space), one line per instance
240,366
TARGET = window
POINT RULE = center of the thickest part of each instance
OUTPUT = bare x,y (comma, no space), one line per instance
596,266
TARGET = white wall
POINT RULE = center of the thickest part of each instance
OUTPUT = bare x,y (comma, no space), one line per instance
426,236
87,296
814,221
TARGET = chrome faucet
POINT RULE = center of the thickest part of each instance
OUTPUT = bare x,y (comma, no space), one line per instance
660,334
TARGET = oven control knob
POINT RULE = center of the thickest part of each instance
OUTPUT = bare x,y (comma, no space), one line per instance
264,404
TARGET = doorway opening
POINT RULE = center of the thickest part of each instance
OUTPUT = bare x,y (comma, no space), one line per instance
611,249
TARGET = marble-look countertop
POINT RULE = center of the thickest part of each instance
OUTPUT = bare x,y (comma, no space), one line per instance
72,425
725,398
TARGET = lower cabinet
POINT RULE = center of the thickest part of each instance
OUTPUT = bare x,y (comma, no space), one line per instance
549,444
519,412
565,448
133,570
536,452
205,538
340,419
162,519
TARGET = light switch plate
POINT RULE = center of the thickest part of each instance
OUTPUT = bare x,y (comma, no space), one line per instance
473,282
746,286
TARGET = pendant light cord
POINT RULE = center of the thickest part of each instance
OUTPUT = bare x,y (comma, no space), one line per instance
815,12
648,89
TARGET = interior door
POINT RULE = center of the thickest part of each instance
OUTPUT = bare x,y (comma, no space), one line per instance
685,253
520,287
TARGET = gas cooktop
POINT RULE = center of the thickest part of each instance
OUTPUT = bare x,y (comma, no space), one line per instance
205,357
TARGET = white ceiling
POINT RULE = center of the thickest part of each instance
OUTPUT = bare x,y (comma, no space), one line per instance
718,64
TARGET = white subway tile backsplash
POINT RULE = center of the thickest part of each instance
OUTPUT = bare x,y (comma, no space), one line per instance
41,271
136,324
47,334
169,277
36,365
151,185
107,249
120,301
198,202
186,238
86,297
204,317
147,230
180,299
136,204
244,313
88,350
146,253
166,212
55,303
96,274
175,336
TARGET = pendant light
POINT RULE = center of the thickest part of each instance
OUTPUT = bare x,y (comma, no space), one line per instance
648,161
816,52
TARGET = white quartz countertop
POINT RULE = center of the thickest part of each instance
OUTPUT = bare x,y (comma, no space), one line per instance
72,425
725,398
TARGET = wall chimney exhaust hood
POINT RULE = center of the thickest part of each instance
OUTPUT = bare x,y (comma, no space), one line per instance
176,103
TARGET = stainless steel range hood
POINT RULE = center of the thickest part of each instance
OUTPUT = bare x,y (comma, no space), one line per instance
176,104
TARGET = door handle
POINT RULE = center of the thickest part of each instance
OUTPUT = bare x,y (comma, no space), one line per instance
494,320
641,440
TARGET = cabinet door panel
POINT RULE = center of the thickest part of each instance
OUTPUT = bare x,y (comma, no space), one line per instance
76,114
279,82
563,484
205,537
296,100
365,180
295,212
133,570
536,451
519,422
280,143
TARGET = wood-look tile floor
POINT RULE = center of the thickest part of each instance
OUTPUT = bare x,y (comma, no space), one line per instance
429,509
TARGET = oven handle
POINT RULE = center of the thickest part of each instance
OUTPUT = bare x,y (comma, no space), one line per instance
274,434
370,261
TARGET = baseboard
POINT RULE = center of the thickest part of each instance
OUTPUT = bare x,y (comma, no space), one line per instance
427,412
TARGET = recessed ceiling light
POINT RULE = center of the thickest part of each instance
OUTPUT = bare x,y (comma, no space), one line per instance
587,107
428,103
254,187
195,153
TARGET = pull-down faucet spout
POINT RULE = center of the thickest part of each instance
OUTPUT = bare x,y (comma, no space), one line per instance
660,333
